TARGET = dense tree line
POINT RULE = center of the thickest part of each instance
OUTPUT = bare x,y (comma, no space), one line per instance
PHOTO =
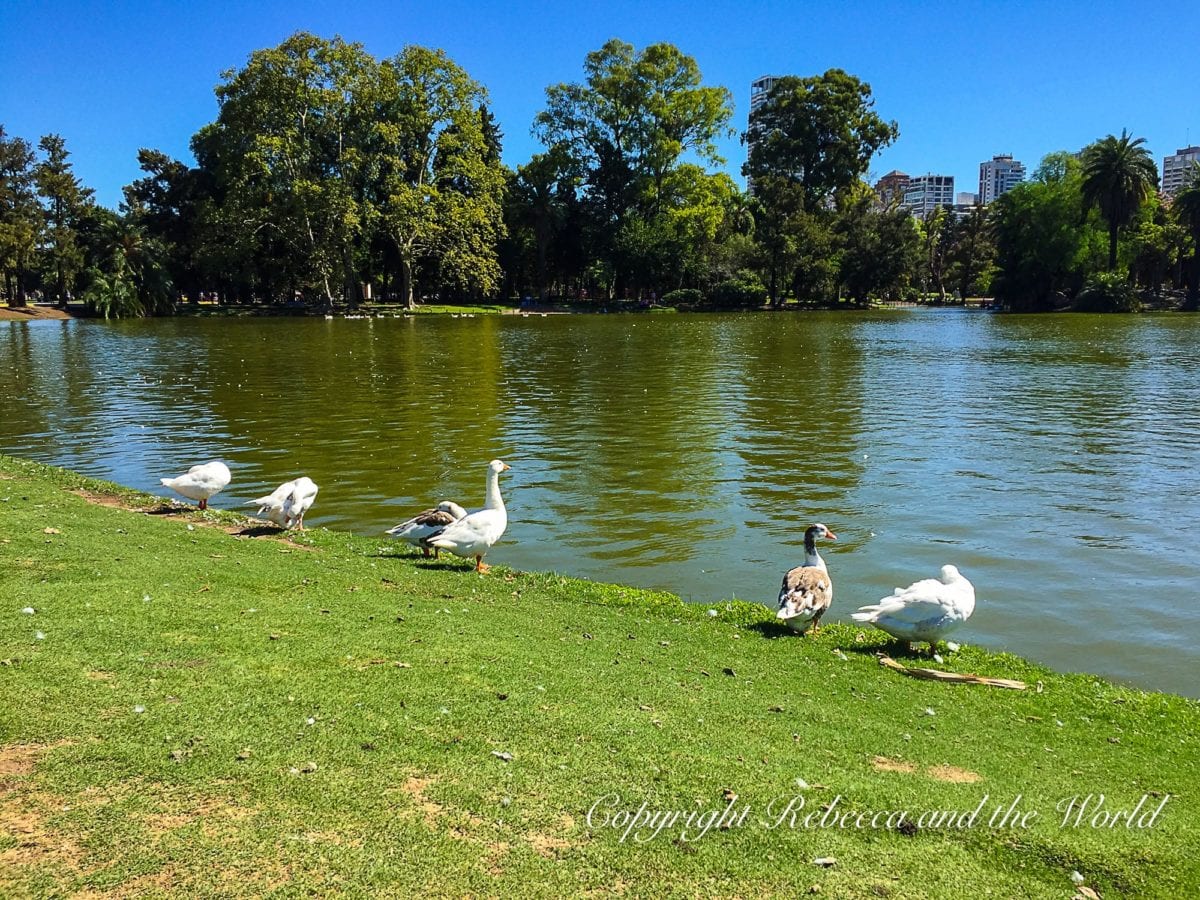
330,176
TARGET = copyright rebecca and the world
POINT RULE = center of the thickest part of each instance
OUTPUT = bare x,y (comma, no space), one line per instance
643,823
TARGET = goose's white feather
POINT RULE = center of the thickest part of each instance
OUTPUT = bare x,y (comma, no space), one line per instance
200,482
428,523
475,533
287,504
926,610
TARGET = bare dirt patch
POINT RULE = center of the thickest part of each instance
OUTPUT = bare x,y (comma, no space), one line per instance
28,313
547,845
883,764
415,788
943,772
251,528
953,774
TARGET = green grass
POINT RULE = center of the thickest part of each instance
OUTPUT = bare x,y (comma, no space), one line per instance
321,716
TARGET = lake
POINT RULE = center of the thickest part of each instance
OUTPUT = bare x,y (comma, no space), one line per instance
1052,458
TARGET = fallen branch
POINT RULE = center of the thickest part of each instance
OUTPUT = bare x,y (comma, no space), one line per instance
938,675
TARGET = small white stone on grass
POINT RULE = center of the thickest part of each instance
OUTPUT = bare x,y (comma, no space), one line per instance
40,636
139,709
1077,878
929,711
801,783
28,610
952,646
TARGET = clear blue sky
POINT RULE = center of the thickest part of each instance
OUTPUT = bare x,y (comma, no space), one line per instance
963,80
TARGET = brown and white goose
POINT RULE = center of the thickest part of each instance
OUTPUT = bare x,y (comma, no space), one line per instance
807,589
424,525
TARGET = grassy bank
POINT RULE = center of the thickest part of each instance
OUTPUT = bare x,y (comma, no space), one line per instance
198,707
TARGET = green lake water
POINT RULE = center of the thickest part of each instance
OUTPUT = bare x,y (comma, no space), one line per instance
1054,459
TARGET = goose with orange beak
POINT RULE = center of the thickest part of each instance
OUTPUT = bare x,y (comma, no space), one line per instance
474,534
807,590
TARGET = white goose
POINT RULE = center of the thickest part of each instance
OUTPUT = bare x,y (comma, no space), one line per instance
807,590
287,504
425,525
200,482
475,533
924,611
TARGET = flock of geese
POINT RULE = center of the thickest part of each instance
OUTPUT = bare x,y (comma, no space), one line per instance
924,612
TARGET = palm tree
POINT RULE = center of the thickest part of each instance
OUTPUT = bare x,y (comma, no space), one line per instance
1118,175
1186,210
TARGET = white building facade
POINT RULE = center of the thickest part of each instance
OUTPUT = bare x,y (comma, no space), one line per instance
925,193
760,89
997,176
1176,169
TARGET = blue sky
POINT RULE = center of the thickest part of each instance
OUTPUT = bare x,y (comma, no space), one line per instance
963,80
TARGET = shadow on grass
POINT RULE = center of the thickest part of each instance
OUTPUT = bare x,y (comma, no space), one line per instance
253,531
772,630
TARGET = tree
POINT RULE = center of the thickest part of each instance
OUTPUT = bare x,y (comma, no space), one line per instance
1044,253
20,216
441,184
129,277
1118,175
819,133
66,199
291,152
540,198
972,253
169,203
880,248
1185,209
626,130
811,139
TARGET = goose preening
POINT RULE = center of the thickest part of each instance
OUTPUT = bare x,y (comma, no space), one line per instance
474,534
925,611
807,590
200,482
425,525
287,504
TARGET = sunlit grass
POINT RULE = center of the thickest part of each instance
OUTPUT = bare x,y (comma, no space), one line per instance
208,713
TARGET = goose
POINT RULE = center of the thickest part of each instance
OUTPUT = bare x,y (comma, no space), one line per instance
807,590
474,534
200,482
925,611
287,504
424,525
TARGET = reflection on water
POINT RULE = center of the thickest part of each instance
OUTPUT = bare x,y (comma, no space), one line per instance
1051,458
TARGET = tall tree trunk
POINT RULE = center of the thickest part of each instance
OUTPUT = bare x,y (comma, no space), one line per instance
406,281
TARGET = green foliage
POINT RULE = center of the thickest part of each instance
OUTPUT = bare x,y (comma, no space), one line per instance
810,141
66,201
819,133
1185,210
1044,250
744,290
625,130
880,250
129,278
1108,292
685,297
1119,174
20,216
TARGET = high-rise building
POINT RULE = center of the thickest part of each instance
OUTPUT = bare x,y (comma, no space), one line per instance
925,193
1177,169
760,89
890,188
997,176
965,198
